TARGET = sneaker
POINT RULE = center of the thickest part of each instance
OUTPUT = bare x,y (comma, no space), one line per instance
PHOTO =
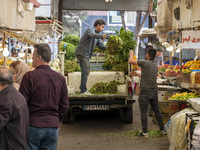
86,93
163,132
144,134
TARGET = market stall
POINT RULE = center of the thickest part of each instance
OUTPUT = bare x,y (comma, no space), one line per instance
179,32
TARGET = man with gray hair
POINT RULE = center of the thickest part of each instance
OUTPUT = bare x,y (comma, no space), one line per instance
47,97
14,114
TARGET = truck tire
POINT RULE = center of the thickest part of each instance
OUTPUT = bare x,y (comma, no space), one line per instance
66,118
128,115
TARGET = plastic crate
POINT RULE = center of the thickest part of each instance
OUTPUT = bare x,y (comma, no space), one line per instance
194,121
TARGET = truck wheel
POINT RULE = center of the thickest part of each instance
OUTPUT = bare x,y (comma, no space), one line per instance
66,118
128,115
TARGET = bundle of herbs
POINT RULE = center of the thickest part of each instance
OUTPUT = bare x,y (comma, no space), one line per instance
73,39
71,66
114,45
104,88
118,47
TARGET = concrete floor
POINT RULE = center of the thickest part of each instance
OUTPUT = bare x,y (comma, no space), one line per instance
105,131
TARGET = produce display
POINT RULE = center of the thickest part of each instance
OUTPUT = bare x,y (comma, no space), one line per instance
184,96
104,88
193,65
8,61
186,71
172,73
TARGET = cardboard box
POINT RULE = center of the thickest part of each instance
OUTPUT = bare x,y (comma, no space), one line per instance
168,107
165,95
186,78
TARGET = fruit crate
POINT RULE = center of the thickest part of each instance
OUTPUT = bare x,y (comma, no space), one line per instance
194,121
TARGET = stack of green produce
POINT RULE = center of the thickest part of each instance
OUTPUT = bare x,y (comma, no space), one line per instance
71,66
118,47
72,39
104,88
68,45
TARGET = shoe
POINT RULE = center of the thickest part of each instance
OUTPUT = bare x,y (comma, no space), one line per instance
144,134
86,93
163,132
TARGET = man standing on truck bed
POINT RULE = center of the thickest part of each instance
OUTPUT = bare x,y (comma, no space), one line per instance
148,86
89,40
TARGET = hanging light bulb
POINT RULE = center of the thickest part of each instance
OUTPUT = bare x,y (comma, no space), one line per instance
17,46
21,53
170,48
46,40
5,52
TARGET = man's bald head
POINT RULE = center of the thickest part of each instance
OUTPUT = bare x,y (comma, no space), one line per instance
5,76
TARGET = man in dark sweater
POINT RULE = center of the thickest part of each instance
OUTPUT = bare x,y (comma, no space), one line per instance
148,86
14,114
89,40
47,97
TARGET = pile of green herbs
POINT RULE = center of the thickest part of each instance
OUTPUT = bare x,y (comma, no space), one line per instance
117,53
68,45
104,88
71,66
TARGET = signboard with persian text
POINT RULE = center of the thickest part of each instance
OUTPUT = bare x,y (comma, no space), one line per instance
190,39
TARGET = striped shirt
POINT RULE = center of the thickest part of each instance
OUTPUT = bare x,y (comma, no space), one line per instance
47,97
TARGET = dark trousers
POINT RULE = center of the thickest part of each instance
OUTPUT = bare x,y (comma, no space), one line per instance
149,96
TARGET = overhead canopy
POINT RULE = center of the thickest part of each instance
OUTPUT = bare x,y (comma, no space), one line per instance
117,5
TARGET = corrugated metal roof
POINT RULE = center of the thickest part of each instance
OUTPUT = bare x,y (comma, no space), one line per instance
126,5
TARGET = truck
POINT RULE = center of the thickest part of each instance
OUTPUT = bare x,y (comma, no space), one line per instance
122,102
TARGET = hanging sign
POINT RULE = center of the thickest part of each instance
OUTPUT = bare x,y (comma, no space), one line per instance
190,39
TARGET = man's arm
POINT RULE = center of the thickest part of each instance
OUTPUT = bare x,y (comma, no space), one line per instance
100,45
64,101
130,60
93,34
25,86
4,116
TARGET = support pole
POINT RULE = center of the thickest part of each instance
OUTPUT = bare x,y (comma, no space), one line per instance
62,57
180,60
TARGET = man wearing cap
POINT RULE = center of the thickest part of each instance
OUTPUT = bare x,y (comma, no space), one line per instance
159,58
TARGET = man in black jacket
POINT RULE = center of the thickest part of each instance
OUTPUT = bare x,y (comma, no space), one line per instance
14,114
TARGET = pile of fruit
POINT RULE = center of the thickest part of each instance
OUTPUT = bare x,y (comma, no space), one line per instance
186,71
172,73
193,65
184,96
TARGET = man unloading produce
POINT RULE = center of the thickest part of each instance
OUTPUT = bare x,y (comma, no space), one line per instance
148,88
89,40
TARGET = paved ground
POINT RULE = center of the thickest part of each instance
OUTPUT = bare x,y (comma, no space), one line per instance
106,131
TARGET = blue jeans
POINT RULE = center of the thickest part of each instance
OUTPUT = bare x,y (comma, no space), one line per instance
42,138
85,67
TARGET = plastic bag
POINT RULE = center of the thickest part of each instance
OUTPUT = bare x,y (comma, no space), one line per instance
196,138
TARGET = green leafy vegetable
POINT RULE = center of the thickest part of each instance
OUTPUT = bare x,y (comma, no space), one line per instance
104,88
114,45
71,66
70,51
72,39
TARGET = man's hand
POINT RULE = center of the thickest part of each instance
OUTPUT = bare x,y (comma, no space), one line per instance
105,36
133,73
131,54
